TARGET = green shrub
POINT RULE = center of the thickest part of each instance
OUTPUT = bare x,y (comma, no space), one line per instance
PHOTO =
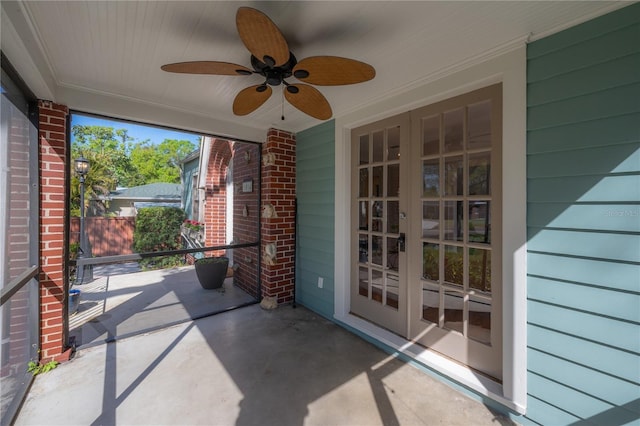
36,368
479,266
158,229
73,250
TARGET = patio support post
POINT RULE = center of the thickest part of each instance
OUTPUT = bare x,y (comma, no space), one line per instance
278,216
52,144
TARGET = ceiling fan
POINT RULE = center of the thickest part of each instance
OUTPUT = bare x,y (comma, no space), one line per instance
271,58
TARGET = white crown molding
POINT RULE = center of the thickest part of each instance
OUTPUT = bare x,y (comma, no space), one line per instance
38,40
24,51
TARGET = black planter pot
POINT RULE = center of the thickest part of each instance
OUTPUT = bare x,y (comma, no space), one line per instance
211,271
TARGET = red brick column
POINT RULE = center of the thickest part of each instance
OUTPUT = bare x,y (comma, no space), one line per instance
277,219
52,162
246,211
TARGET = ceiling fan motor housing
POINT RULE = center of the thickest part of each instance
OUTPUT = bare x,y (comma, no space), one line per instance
274,75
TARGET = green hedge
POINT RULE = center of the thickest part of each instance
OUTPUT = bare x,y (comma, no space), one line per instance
158,229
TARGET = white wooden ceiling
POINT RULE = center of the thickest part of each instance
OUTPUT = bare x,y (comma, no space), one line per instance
105,56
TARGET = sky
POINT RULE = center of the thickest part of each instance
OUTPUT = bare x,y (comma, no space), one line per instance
137,131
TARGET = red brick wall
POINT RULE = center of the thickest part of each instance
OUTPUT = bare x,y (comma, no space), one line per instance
18,202
216,194
109,236
246,166
52,162
16,350
279,190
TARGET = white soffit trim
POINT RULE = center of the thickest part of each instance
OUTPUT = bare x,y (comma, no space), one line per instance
25,52
508,68
96,102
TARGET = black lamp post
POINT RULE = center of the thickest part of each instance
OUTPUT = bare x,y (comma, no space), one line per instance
84,273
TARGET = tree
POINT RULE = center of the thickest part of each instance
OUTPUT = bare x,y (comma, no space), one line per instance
160,163
98,181
107,150
117,161
108,146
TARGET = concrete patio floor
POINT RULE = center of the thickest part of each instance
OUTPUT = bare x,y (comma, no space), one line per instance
249,366
123,301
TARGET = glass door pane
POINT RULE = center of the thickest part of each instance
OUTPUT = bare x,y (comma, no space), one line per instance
456,146
379,219
457,261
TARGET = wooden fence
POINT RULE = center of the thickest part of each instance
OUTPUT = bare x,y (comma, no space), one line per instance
109,236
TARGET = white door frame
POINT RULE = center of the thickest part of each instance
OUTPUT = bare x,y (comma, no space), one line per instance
508,66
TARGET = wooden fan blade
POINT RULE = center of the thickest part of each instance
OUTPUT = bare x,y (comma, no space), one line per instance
309,100
207,67
262,37
249,99
332,71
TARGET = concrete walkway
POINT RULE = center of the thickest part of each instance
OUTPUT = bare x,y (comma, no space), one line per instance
245,367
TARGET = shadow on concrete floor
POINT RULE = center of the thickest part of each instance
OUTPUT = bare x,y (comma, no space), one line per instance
123,301
246,367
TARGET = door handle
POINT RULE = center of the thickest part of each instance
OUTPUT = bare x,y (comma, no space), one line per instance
401,242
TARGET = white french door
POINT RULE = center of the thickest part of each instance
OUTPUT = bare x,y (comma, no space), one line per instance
379,289
426,240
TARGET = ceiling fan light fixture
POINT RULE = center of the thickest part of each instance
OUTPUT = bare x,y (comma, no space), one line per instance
301,74
269,61
274,78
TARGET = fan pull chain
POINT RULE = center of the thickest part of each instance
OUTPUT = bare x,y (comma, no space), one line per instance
282,117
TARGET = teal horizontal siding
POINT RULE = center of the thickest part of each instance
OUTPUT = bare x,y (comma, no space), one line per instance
596,300
315,181
603,273
586,162
586,54
585,189
316,261
322,303
615,362
610,103
574,401
596,217
314,196
314,151
608,131
590,382
622,72
312,167
592,327
601,245
583,223
593,30
313,184
548,414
